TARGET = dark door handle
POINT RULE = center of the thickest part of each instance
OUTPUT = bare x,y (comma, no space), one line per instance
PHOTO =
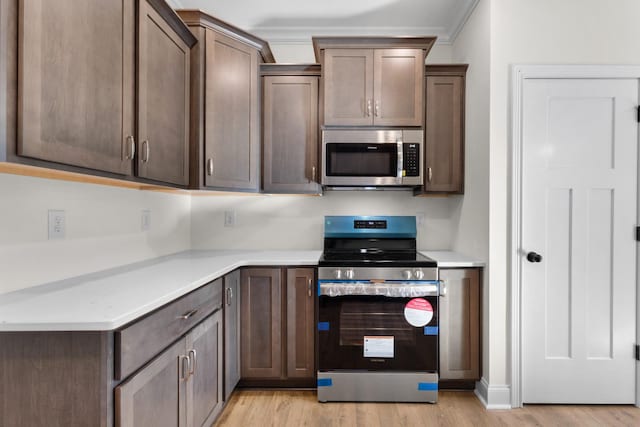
534,257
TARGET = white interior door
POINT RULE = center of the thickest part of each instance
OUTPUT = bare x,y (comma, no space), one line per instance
579,191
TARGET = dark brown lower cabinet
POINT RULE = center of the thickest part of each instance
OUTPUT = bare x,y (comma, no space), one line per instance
459,321
231,332
277,332
181,387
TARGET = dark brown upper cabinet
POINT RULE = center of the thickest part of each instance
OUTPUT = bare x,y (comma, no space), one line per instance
76,78
290,128
225,123
376,81
444,129
75,105
163,100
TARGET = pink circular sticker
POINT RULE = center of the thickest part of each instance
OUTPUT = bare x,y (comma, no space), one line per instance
418,312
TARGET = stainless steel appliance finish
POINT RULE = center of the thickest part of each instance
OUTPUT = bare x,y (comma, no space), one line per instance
372,158
370,279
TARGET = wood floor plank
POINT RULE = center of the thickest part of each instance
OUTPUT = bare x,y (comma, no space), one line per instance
263,408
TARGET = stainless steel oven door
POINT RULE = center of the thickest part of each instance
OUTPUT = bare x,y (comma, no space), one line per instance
383,326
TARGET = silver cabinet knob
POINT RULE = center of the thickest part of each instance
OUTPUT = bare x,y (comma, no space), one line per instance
338,274
407,274
419,274
349,274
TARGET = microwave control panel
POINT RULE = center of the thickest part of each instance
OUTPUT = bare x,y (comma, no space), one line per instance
411,159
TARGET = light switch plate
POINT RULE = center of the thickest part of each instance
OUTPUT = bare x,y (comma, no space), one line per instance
420,217
57,224
145,220
229,218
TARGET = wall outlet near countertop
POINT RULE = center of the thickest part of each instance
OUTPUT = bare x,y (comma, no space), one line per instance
145,220
229,218
57,224
420,218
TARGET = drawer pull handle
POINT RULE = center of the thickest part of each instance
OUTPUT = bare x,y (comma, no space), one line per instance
188,314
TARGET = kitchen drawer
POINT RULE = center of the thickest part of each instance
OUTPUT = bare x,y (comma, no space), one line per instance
141,340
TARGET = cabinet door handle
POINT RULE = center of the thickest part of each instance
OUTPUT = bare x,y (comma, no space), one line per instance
309,287
227,296
313,173
145,151
368,108
443,289
193,363
130,147
210,166
377,110
429,174
188,314
184,367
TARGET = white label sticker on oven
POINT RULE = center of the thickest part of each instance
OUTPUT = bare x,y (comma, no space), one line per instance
378,346
418,312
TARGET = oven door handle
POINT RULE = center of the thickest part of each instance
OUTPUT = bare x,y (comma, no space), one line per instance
387,289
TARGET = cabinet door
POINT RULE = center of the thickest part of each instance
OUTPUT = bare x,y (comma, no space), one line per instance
460,324
232,139
231,332
290,134
261,319
348,87
204,387
155,396
444,134
397,90
76,76
300,322
163,100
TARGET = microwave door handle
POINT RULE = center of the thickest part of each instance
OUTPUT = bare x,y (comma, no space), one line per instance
400,161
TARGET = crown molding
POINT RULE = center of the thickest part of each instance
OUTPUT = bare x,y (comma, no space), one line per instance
302,35
460,20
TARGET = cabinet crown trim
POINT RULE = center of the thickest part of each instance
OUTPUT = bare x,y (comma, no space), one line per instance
196,17
374,42
174,21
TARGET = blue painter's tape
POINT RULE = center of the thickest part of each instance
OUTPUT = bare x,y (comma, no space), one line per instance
325,382
426,386
431,330
323,326
319,293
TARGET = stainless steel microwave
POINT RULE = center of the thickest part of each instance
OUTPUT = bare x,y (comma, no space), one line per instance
372,157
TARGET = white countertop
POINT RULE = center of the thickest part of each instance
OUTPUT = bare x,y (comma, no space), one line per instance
449,259
109,299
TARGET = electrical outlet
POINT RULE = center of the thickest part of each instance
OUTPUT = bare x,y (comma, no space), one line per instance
420,218
145,220
57,224
229,218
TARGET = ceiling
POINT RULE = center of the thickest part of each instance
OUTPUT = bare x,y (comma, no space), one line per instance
295,21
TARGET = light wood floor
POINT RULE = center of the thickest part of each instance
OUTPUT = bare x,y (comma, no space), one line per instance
455,408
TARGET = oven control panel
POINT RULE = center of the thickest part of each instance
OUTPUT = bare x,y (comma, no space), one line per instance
377,274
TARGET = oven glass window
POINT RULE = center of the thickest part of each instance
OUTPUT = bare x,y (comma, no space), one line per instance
347,320
362,159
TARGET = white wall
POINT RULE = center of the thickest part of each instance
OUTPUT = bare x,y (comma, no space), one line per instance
471,211
303,52
103,228
296,222
539,32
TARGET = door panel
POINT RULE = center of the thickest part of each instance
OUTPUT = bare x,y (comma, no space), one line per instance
300,323
231,332
76,77
261,319
163,100
579,211
348,87
397,89
231,113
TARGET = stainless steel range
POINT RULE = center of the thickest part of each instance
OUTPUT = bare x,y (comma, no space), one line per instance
378,312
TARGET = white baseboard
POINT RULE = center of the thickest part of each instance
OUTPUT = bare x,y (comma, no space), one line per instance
493,396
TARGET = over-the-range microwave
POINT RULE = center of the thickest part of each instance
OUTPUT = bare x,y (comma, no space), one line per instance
371,157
